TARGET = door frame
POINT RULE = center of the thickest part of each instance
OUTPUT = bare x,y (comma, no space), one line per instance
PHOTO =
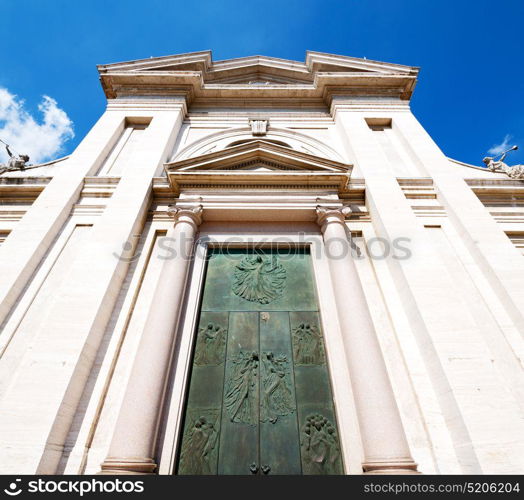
299,235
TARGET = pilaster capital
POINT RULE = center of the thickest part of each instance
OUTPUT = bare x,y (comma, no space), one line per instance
192,215
329,215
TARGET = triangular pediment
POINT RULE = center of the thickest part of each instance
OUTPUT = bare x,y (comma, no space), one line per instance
272,68
258,163
257,155
255,75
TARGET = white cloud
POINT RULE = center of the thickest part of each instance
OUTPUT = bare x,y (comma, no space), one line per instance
41,141
497,149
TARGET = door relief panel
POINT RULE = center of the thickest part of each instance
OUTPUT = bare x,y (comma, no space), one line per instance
259,398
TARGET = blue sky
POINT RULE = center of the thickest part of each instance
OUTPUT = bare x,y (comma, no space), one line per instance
470,94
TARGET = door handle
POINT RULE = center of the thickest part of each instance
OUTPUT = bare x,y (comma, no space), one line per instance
253,468
265,469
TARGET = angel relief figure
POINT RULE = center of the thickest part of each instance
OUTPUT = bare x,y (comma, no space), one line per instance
259,279
241,395
319,446
211,343
198,451
307,345
277,399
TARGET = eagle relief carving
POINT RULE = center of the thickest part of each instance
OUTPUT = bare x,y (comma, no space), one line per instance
259,279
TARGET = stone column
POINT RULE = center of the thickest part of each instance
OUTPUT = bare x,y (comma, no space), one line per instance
384,442
133,445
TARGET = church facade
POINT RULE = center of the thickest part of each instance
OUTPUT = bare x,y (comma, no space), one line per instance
260,266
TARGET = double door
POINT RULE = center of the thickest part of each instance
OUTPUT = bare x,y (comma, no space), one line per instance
259,399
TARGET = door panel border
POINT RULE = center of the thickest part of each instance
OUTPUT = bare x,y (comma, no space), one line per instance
176,393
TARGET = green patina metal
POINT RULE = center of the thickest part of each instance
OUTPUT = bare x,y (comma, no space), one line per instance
259,398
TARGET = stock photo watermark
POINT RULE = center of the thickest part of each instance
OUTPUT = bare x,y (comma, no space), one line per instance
73,487
376,248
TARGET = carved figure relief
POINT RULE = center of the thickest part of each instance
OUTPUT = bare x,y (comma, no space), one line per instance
308,347
259,279
241,395
259,398
319,446
211,345
198,454
276,399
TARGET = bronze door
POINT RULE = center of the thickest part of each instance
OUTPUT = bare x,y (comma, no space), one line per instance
259,398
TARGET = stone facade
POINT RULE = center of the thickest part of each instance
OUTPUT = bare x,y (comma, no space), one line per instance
423,318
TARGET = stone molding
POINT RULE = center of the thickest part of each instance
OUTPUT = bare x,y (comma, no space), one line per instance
130,466
199,77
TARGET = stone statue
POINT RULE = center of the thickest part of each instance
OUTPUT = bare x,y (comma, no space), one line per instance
15,162
514,172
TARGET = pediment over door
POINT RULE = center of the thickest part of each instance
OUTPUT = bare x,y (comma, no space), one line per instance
258,164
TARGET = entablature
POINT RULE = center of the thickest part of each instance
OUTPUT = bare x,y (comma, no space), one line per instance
257,78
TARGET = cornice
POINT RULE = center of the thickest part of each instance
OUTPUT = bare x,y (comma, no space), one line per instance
196,77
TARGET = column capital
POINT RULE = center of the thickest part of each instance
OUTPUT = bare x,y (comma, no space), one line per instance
192,215
327,215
